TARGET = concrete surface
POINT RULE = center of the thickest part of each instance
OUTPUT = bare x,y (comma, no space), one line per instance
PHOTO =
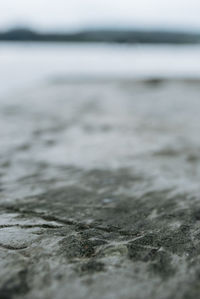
99,190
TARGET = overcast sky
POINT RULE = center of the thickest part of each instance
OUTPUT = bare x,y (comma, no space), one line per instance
69,14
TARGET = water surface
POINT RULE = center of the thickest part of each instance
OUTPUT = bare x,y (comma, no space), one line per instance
23,64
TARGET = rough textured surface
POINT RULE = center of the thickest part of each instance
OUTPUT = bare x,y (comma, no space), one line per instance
99,191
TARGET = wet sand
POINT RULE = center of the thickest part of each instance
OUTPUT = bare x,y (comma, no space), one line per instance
99,190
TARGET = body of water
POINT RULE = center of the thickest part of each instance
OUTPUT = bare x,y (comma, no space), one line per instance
23,64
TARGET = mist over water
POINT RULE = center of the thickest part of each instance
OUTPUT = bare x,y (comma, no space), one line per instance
22,64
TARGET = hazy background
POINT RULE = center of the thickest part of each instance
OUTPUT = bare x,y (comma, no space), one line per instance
67,15
24,64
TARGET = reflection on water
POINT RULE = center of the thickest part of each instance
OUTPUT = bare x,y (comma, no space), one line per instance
23,64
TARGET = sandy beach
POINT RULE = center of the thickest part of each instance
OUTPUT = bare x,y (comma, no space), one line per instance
99,190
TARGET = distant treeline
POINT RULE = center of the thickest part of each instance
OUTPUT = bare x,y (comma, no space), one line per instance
107,36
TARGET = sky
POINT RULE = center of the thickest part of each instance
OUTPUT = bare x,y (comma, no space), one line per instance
77,14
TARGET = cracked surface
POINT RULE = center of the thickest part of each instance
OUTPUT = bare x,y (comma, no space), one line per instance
99,191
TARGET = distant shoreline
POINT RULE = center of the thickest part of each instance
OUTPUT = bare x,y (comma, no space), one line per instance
103,36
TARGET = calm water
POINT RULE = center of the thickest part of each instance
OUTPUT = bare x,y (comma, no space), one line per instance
25,64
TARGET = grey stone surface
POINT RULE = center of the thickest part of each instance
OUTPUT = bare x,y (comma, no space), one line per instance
99,191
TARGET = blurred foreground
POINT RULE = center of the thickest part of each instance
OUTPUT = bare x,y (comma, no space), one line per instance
100,190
